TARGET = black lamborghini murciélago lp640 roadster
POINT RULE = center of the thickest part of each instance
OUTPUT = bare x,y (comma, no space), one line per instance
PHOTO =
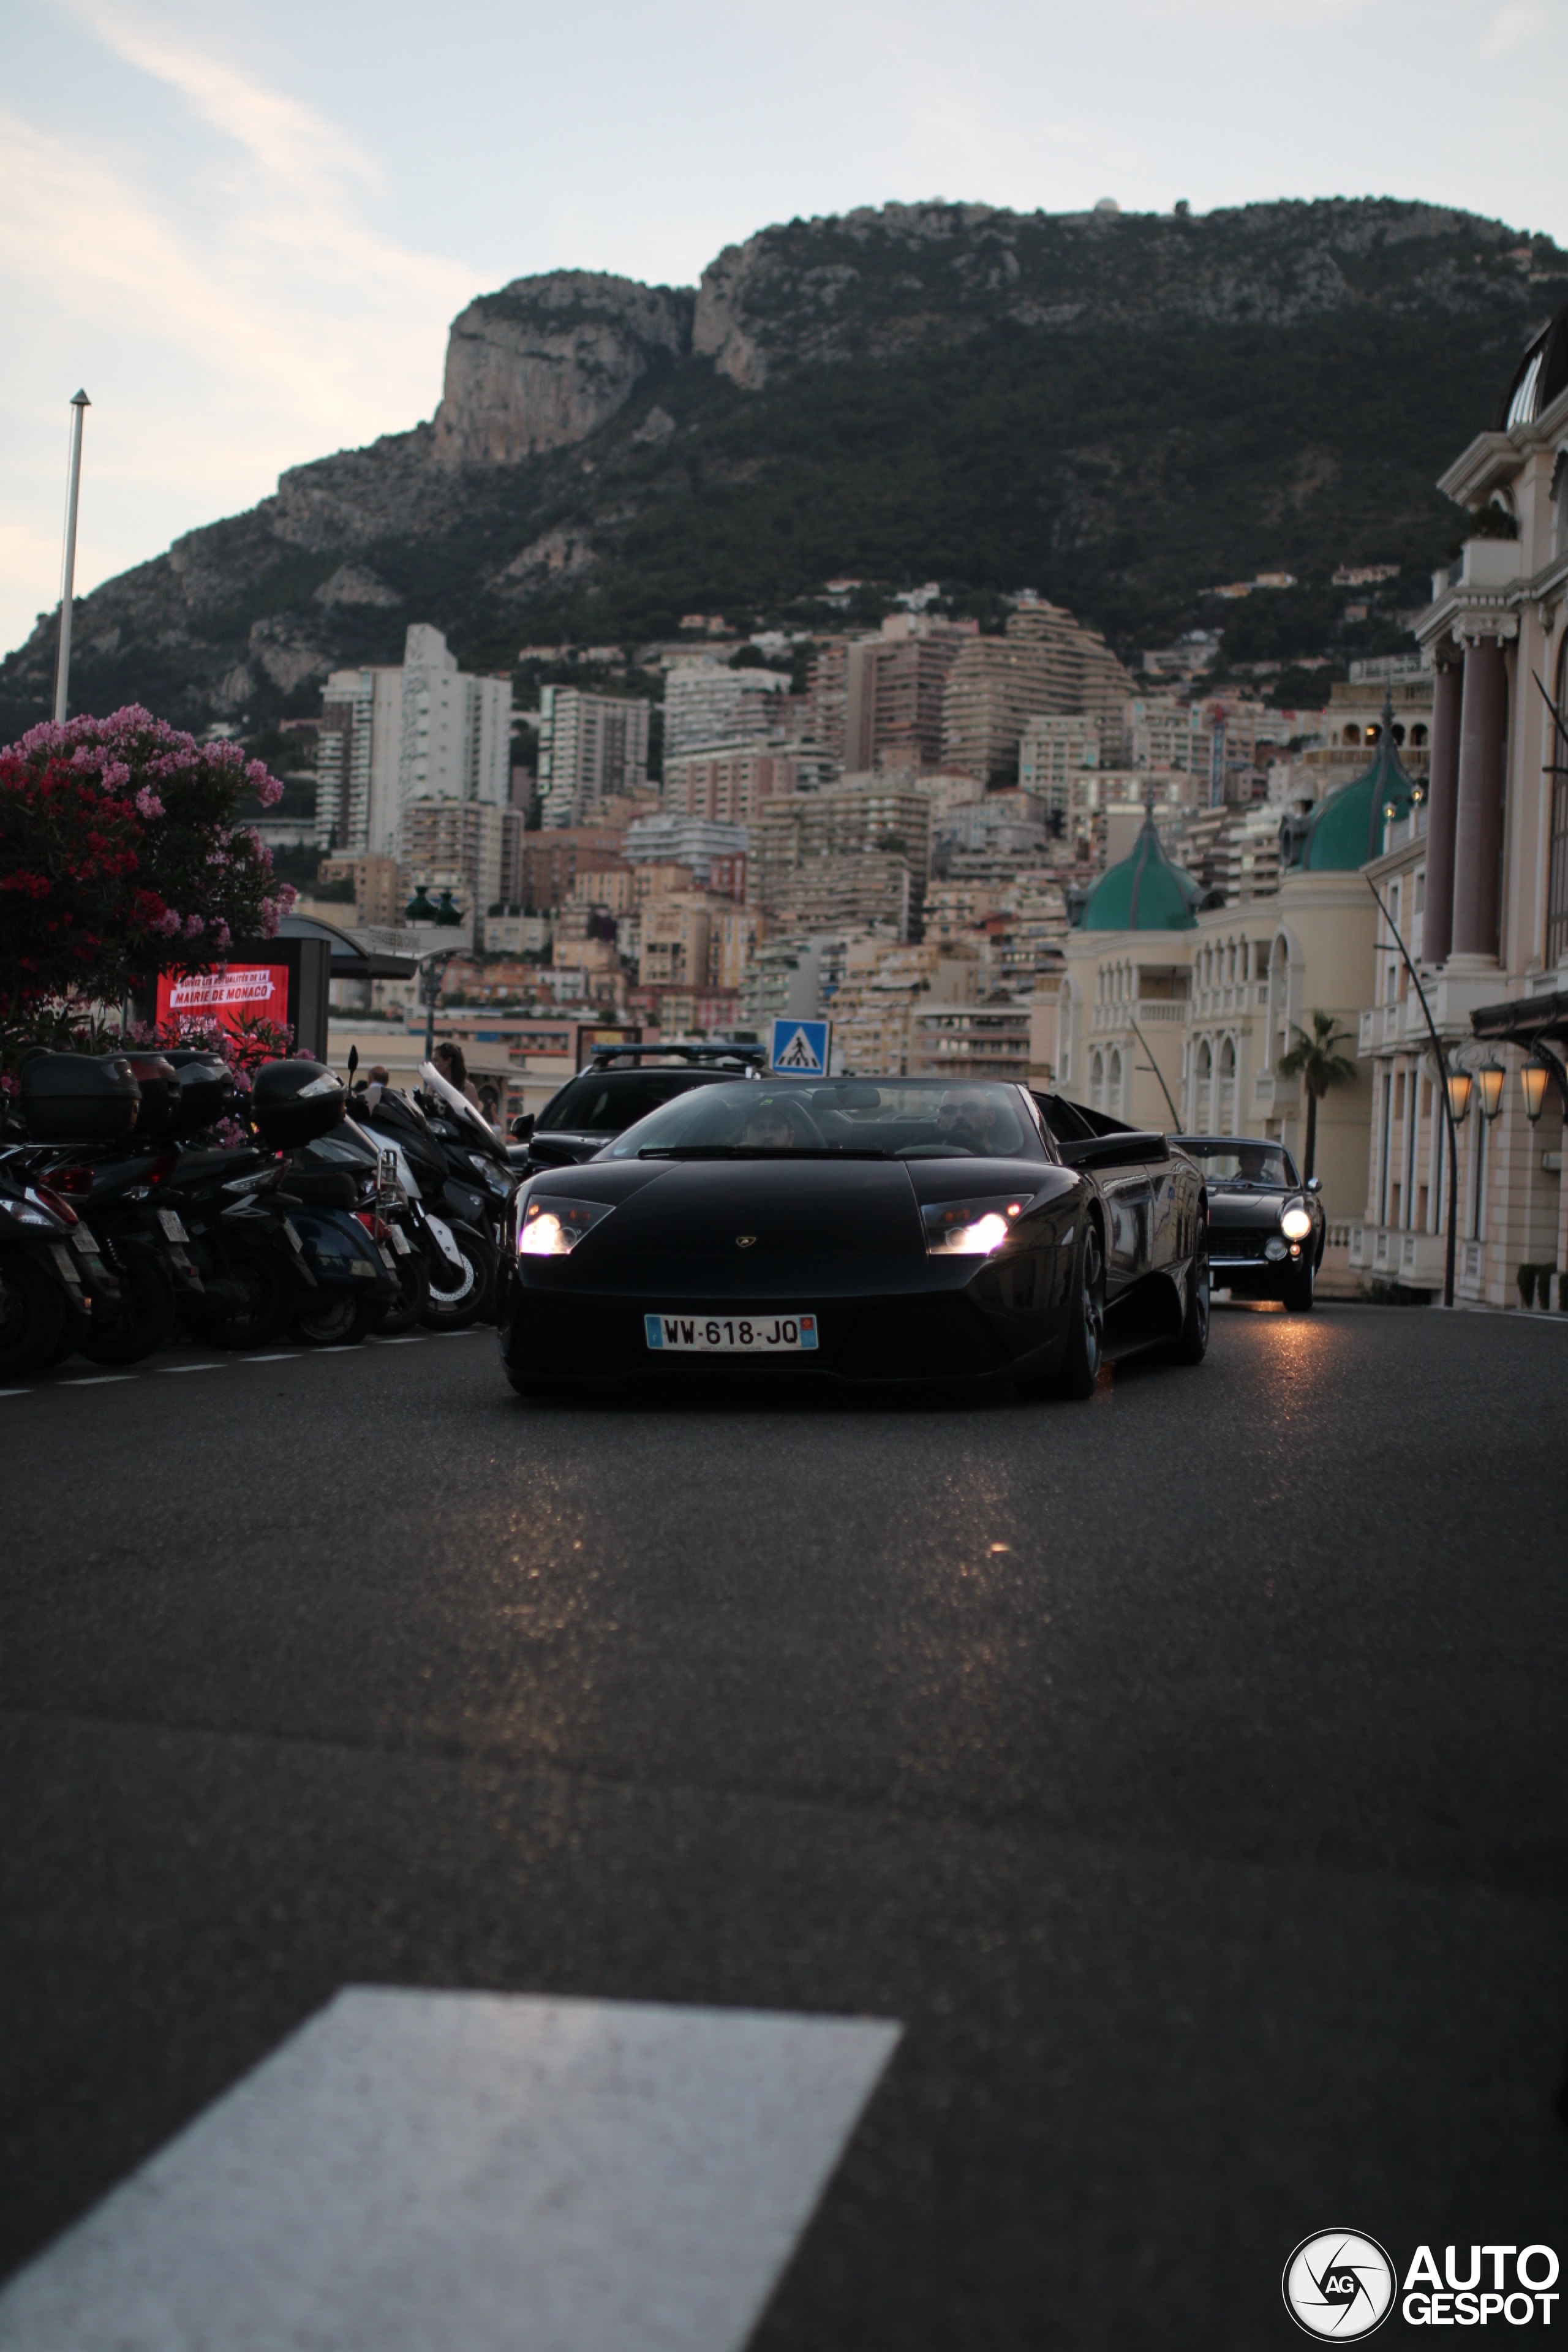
859,1229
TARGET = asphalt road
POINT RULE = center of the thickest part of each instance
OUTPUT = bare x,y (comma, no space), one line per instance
1183,1770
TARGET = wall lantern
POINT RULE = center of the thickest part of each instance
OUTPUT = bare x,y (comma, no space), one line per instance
1460,1087
1534,1077
1492,1079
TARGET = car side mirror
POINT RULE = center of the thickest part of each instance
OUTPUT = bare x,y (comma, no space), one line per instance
1314,1183
523,1127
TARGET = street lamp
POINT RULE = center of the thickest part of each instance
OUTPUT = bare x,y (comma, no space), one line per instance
1460,1087
1534,1077
80,403
419,909
1492,1079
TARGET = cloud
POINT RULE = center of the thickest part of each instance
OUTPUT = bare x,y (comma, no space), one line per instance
229,298
1516,22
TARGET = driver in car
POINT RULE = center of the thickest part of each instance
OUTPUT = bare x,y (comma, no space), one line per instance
769,1129
1252,1165
967,1118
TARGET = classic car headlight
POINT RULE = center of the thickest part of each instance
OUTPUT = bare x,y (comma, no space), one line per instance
971,1228
552,1227
1294,1222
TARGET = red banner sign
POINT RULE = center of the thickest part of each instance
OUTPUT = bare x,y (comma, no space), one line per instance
221,999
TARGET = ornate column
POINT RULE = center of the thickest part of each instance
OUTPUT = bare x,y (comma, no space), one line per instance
1442,807
1478,825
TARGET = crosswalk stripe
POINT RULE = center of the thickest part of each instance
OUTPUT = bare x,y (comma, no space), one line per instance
483,2170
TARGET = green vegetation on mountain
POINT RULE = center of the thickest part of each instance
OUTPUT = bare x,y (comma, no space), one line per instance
1122,412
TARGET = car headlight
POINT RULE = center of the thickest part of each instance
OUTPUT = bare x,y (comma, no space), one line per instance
971,1228
1294,1222
549,1226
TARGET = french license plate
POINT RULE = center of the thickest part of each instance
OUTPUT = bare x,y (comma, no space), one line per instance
731,1335
84,1242
172,1229
65,1263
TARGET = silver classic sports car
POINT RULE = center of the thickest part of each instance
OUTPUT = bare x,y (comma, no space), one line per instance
857,1229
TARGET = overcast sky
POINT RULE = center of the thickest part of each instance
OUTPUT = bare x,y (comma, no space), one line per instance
245,231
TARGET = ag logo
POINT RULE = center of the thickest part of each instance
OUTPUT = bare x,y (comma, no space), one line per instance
1340,2284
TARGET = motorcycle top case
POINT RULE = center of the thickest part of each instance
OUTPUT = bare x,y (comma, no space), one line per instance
160,1084
79,1099
293,1102
207,1093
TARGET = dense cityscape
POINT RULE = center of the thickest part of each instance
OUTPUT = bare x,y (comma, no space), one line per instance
784,1067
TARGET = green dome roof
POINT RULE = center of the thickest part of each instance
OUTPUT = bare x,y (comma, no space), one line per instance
1144,893
1349,826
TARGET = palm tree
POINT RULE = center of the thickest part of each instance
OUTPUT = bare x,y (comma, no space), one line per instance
1315,1058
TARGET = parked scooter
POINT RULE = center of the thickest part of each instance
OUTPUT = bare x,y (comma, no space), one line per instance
51,1277
459,1255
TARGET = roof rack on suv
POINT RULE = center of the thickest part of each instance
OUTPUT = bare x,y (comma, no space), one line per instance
741,1055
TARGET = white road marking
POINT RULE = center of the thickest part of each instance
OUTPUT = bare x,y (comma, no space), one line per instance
18,1392
289,1356
195,1368
96,1380
487,2171
338,1347
413,1339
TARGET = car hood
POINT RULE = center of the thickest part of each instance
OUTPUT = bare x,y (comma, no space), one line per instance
1246,1212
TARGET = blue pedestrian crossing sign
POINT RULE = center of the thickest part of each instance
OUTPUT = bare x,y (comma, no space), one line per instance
800,1047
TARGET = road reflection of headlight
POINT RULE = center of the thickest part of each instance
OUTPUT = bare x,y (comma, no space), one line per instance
970,1228
1295,1223
552,1228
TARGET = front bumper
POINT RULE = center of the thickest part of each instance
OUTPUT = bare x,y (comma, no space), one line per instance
978,1332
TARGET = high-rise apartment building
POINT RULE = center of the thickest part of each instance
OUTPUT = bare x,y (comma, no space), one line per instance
693,842
1044,661
893,689
423,730
591,748
729,782
707,702
550,862
470,847
1055,748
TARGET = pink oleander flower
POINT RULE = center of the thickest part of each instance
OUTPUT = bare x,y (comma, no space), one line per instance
194,925
221,934
147,801
168,923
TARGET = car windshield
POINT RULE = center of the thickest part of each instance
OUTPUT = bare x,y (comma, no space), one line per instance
602,1102
1235,1159
884,1119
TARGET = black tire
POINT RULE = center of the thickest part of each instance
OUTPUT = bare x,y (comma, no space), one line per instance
453,1303
142,1322
1299,1288
1191,1344
335,1318
34,1315
413,1297
270,1293
1086,1318
73,1331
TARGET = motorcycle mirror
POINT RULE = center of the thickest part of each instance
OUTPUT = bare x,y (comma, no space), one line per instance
523,1127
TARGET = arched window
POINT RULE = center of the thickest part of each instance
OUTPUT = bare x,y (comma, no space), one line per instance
1418,738
1398,732
1350,735
1097,1081
1202,1089
1224,1122
1113,1083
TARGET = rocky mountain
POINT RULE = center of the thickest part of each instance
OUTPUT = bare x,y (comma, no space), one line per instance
1120,409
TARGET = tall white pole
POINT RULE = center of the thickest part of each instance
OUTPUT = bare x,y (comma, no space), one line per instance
63,665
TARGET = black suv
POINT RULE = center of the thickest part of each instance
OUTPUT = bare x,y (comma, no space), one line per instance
617,1088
